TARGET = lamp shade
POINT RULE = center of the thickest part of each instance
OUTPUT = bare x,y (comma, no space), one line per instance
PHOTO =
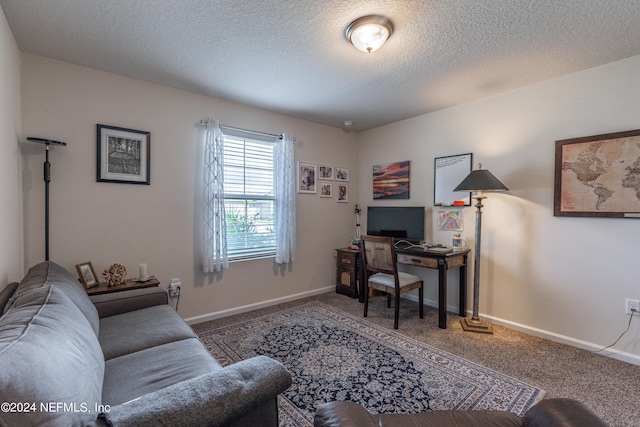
481,180
46,141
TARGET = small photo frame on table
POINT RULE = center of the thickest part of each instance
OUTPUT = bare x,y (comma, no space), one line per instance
343,193
326,189
87,275
342,174
307,176
123,155
325,172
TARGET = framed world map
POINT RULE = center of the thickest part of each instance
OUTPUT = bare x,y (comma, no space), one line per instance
598,176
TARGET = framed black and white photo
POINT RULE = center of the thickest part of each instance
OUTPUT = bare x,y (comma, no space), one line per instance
123,155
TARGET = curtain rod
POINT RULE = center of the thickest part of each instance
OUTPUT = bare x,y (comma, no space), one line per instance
204,123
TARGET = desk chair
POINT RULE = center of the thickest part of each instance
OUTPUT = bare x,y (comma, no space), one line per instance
379,262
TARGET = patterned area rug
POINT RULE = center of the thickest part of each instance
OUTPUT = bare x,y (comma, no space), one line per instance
333,355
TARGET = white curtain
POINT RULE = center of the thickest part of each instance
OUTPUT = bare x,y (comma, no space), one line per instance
214,228
285,183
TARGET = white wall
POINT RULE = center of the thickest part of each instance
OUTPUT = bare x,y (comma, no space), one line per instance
106,222
565,278
11,212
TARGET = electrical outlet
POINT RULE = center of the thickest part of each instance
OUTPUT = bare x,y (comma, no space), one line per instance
633,304
174,290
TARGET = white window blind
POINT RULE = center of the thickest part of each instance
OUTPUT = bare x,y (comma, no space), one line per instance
249,194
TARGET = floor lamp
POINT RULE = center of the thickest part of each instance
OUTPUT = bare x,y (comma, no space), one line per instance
478,181
47,180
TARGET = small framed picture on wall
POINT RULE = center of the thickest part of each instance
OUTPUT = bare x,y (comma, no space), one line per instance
343,193
307,176
325,172
325,189
123,155
391,180
342,174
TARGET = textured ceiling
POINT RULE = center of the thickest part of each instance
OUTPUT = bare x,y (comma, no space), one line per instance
290,56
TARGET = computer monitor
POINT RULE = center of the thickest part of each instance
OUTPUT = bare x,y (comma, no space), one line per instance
399,222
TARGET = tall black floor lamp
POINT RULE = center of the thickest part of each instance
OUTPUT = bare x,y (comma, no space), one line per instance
47,180
478,181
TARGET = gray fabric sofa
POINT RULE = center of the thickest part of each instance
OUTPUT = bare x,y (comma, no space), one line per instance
122,359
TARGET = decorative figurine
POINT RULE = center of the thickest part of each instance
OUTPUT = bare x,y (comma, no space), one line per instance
115,275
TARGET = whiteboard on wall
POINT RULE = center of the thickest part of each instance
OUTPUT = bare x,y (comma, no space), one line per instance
449,171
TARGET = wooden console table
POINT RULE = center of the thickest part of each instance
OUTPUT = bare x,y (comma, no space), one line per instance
104,288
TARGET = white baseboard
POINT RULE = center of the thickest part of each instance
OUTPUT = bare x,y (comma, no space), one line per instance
552,336
563,339
256,306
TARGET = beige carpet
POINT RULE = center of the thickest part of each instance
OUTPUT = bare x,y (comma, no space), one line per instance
608,386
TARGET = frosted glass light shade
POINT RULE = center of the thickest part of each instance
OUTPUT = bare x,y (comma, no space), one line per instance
369,33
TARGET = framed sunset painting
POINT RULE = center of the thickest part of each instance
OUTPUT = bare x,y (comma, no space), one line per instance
391,181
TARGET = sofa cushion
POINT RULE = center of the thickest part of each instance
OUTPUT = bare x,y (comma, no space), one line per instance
51,274
114,303
241,394
140,329
133,375
49,353
6,295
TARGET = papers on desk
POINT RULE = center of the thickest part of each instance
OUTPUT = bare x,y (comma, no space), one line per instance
439,249
432,249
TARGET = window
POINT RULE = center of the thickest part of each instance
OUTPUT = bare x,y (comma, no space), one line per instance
249,194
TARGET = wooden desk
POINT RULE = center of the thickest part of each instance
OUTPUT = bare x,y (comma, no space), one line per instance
104,288
441,261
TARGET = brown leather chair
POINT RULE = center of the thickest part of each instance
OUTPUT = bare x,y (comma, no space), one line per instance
555,412
380,265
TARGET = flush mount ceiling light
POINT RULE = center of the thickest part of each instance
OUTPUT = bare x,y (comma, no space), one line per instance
369,33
